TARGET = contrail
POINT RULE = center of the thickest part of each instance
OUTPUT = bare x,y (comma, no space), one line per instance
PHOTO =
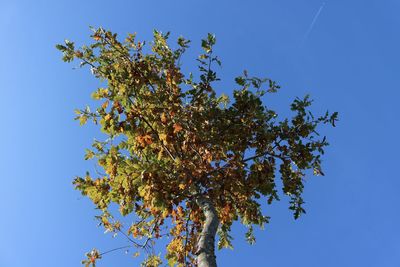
312,24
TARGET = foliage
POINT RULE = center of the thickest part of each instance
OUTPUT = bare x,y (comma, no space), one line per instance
171,138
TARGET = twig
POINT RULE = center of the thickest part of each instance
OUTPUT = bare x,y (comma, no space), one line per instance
108,251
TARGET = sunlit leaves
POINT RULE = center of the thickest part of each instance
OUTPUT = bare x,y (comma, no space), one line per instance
250,236
92,257
170,138
208,43
152,261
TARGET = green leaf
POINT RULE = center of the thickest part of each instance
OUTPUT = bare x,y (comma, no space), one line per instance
240,81
61,47
250,236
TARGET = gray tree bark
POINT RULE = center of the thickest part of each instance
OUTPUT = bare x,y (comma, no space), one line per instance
206,243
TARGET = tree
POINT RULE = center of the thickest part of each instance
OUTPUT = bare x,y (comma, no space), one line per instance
184,162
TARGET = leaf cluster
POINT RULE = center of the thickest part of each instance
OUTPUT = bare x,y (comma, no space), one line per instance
170,138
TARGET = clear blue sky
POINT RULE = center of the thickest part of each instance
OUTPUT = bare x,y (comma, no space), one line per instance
349,63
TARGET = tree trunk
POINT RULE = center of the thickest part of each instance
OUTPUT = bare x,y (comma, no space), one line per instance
206,243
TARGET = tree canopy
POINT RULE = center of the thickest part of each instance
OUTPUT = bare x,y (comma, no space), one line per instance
182,161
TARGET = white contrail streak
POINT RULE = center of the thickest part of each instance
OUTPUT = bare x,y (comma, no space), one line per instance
312,23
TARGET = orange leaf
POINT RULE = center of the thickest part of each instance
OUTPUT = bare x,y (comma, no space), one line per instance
144,140
147,139
177,128
105,105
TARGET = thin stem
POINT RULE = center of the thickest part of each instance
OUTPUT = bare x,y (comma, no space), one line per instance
108,251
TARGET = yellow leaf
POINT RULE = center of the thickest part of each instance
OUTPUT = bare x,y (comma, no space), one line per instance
162,136
160,154
83,119
107,117
182,186
163,118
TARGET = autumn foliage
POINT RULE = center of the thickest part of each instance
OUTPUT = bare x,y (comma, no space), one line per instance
171,141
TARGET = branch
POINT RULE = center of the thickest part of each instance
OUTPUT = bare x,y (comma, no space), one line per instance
108,251
263,154
130,239
245,160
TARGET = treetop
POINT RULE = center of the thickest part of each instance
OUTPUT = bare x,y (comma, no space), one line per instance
172,140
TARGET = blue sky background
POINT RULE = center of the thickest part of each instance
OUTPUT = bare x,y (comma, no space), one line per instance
348,63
